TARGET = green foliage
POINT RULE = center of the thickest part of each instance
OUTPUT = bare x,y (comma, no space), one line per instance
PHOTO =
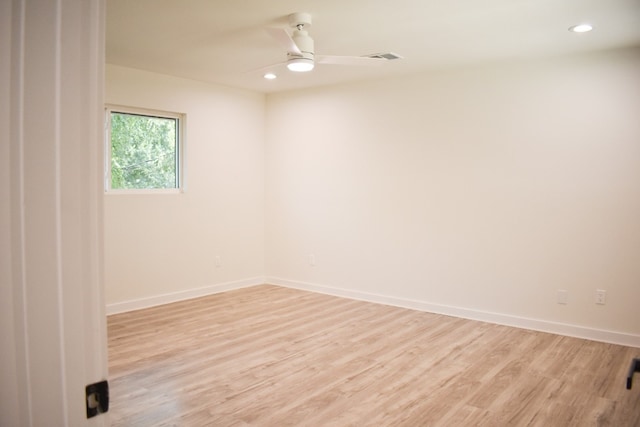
143,151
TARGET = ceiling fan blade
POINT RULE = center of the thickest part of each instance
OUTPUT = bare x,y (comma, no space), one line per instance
270,67
349,60
284,38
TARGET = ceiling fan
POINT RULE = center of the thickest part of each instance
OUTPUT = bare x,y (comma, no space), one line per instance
301,56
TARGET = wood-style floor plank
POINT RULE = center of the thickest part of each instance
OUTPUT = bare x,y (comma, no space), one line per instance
272,356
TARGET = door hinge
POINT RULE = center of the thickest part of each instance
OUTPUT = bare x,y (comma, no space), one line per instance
97,398
635,367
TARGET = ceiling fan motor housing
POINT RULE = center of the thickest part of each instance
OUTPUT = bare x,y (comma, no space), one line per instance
300,18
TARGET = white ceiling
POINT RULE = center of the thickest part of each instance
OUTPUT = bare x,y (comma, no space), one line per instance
222,41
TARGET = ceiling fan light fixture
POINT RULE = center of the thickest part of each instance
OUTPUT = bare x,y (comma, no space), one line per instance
300,65
581,28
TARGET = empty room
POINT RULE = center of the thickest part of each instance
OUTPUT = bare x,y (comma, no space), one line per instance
320,213
436,225
439,224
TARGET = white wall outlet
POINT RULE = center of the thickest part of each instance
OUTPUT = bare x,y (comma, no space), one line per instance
312,260
563,296
601,296
218,261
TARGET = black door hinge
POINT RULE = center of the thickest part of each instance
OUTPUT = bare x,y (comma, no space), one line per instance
97,398
635,367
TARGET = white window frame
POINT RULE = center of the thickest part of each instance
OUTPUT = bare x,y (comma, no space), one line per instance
180,163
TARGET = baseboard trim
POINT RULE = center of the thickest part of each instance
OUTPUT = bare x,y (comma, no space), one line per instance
576,331
152,301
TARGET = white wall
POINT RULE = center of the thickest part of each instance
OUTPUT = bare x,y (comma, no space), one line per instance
159,245
479,191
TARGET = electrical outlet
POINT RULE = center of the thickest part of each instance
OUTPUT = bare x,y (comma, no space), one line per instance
601,296
312,260
563,296
218,261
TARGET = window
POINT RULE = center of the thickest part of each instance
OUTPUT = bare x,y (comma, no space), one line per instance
144,150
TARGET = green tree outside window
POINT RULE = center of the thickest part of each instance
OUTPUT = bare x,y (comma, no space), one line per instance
144,151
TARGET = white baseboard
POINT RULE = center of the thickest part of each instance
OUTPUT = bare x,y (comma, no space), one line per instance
611,337
137,304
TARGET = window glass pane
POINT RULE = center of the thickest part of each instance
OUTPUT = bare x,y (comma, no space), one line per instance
144,151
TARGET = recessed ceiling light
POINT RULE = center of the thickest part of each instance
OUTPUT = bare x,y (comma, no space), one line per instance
270,76
581,28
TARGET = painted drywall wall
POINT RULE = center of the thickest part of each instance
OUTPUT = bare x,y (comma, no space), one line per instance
486,189
166,244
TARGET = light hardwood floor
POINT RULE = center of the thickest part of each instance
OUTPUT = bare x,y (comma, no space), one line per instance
272,356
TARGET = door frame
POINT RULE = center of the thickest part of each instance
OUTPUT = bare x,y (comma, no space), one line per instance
56,337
